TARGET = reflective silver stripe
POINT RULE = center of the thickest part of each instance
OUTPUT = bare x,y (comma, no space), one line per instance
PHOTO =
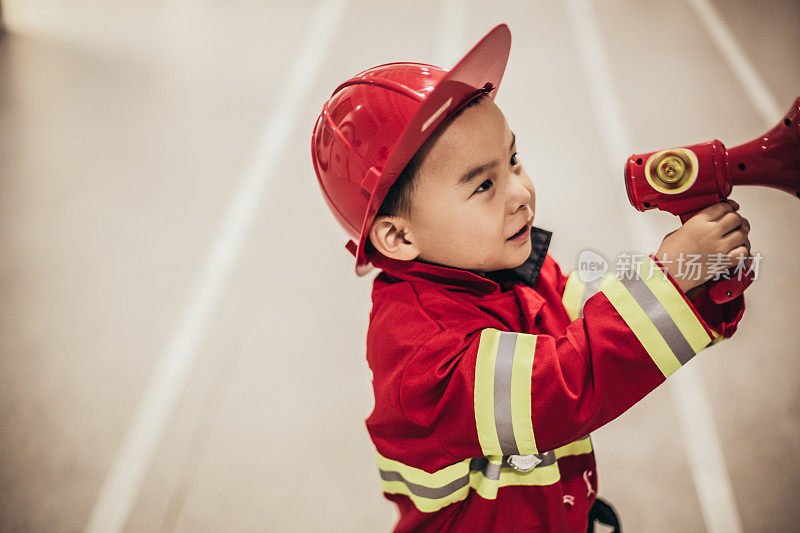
423,491
488,469
660,318
589,289
504,363
431,491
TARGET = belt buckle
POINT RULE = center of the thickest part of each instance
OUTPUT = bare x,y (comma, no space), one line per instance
524,463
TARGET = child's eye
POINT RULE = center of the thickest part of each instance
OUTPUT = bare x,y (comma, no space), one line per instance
479,189
514,160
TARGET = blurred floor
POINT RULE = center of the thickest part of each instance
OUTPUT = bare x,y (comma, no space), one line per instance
125,129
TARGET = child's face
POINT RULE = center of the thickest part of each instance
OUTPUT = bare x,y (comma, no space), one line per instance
466,224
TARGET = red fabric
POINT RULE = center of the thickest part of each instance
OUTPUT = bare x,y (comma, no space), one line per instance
422,343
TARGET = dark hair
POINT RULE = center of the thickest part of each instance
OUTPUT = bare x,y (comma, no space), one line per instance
398,199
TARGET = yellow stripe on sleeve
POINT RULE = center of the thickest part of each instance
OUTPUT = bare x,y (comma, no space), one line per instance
642,327
573,291
521,394
484,392
672,300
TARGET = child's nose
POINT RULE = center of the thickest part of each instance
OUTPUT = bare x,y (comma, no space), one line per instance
520,194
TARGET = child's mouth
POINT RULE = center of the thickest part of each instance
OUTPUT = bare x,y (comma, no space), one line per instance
520,234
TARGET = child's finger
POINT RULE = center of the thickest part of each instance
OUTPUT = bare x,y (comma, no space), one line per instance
729,222
739,253
716,211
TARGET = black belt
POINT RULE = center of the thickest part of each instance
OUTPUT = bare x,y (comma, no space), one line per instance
602,513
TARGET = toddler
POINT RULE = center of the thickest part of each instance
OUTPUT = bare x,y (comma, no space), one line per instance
490,366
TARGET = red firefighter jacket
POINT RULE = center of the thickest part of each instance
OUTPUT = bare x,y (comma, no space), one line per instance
487,387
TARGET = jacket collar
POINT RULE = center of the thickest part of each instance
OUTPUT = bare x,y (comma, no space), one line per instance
460,279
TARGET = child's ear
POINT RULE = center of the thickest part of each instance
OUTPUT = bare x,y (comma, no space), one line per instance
391,236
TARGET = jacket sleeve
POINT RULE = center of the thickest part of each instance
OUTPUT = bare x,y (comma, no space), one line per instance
720,320
485,392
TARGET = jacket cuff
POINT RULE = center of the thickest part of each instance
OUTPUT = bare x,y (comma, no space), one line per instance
720,320
658,313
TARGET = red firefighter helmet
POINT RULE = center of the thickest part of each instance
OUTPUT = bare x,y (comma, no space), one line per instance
373,124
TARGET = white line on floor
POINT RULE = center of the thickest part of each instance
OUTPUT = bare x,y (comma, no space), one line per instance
755,87
696,420
453,15
170,374
705,455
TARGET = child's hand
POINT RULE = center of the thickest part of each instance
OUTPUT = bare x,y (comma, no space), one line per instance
717,229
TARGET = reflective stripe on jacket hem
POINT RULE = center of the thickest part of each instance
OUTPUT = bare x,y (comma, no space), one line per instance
431,491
